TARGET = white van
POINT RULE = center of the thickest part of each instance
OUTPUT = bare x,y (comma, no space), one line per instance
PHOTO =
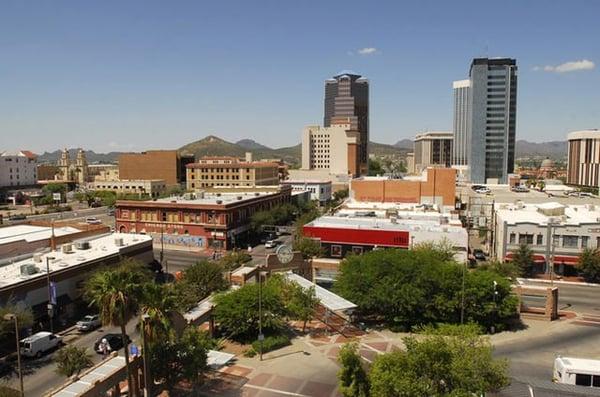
577,371
37,344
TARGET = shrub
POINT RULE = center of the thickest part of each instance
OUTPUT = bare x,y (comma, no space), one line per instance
271,343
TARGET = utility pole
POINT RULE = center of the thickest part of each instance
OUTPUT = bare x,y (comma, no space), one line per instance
162,243
13,317
50,304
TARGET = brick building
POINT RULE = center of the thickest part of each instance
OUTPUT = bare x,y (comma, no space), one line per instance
231,171
437,186
167,165
199,221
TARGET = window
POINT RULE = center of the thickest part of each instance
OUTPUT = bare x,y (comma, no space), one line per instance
525,238
583,380
336,250
570,241
596,381
584,241
512,238
357,250
556,240
163,216
540,239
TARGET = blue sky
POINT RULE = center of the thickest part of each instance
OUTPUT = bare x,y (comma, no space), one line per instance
135,75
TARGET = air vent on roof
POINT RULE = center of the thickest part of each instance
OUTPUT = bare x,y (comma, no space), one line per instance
218,194
256,193
219,201
67,248
239,197
28,269
82,245
119,241
37,258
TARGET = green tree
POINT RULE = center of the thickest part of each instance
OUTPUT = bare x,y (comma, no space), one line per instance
204,278
404,288
55,188
309,247
71,360
301,303
157,302
352,377
24,318
341,194
505,269
589,265
375,167
116,293
522,257
458,364
234,259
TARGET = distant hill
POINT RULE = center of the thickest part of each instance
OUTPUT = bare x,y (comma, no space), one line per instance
383,149
553,149
251,144
404,144
91,156
215,146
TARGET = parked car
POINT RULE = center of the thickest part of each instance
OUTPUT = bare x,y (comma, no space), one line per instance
271,243
38,344
479,255
92,220
483,190
88,323
520,189
114,341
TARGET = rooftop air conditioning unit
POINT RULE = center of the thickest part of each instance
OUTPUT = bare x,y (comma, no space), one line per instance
239,197
67,248
394,219
256,193
28,269
82,245
219,201
37,258
218,194
119,241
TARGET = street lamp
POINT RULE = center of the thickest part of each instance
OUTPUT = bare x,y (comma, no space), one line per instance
12,317
261,337
147,378
50,304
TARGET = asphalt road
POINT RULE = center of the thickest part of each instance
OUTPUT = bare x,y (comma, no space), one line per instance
581,299
39,374
78,214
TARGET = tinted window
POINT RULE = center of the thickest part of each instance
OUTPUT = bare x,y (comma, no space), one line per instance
596,382
583,380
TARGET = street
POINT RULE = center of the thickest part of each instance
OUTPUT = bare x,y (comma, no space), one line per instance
39,374
581,299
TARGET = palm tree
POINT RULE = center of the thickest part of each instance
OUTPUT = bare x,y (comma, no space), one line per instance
157,302
116,293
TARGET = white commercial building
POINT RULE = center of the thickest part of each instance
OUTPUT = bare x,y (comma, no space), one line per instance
18,169
319,190
26,280
554,232
433,148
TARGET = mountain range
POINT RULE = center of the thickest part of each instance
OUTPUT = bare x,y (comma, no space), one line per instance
215,146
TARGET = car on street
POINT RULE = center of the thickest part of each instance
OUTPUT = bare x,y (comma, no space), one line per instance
114,341
479,254
40,343
271,243
92,220
520,189
89,323
483,190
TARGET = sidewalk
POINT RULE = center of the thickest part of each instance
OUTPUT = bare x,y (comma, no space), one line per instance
543,280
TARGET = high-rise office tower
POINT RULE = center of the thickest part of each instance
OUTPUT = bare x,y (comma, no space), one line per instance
347,100
462,121
493,114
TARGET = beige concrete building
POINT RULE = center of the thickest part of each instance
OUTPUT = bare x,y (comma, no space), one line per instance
150,187
69,171
231,171
333,149
433,148
103,172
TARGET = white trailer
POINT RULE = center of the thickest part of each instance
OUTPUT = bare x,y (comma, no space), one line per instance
577,371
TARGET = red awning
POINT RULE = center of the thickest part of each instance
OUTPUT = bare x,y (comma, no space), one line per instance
558,259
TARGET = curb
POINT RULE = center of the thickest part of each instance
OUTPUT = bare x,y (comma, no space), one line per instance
536,280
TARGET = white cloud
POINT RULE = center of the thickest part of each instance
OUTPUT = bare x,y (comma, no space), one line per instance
368,51
567,67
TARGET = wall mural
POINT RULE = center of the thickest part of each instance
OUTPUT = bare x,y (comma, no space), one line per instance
175,239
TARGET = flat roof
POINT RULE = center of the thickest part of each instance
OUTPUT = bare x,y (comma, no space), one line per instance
328,299
373,223
585,134
101,247
306,181
208,198
202,308
89,379
32,233
574,215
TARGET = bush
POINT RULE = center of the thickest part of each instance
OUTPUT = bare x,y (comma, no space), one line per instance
271,343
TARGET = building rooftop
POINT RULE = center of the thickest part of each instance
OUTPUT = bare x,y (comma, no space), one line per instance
99,248
306,181
388,224
327,298
544,213
32,233
208,198
592,133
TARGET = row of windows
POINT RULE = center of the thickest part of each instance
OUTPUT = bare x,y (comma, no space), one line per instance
212,170
568,241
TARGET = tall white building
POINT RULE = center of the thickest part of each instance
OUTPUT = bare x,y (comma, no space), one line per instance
461,130
18,169
432,148
333,149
